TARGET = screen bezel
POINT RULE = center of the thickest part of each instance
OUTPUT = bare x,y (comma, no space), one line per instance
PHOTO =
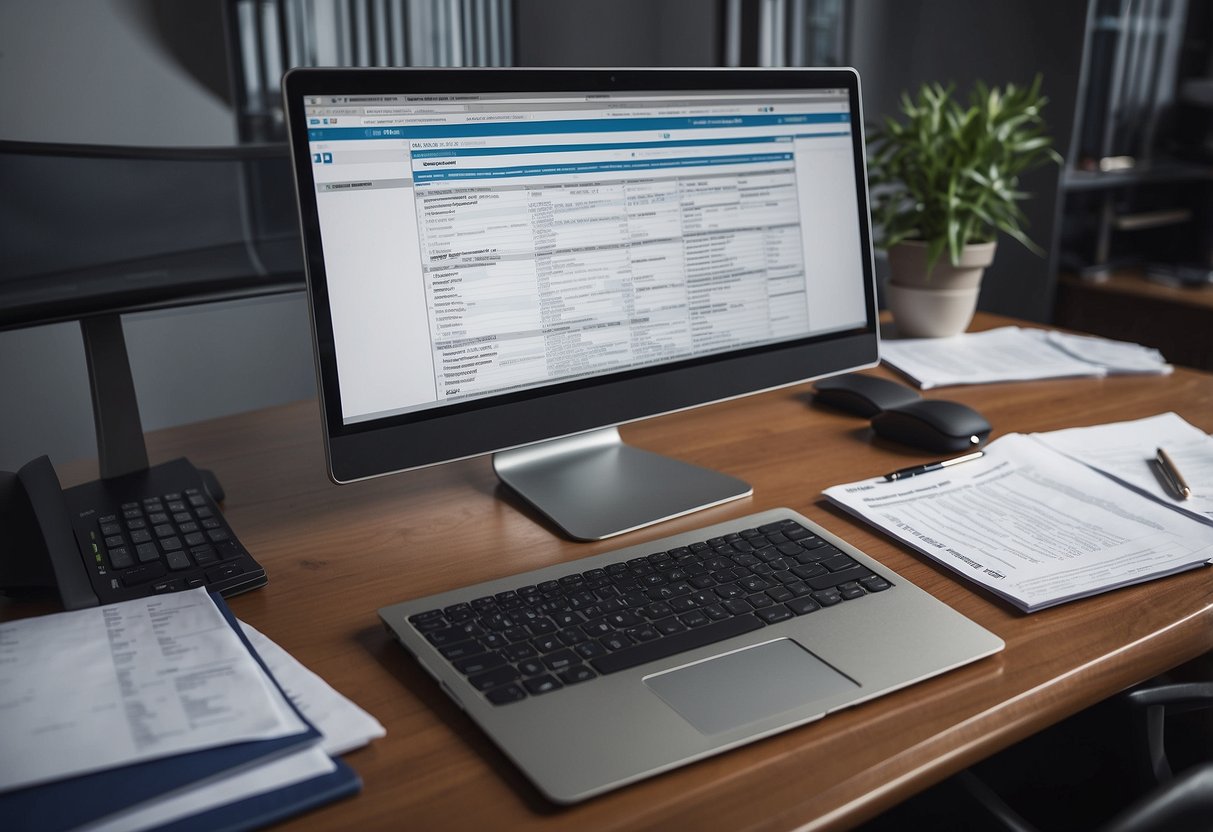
442,434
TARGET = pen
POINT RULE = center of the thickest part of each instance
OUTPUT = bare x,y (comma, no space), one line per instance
1171,470
915,470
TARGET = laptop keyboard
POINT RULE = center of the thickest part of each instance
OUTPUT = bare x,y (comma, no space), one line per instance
539,638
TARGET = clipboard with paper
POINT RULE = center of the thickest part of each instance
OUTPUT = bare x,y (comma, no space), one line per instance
1032,525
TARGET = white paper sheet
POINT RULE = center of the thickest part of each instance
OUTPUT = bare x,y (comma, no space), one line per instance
1031,524
344,725
1115,357
1126,450
1011,353
92,689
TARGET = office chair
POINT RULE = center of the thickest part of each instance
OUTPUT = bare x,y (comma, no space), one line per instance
1175,803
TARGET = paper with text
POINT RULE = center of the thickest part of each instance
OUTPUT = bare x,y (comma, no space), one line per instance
91,689
1126,451
1031,524
1012,353
344,725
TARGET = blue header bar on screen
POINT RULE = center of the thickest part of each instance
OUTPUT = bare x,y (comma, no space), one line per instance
597,167
522,128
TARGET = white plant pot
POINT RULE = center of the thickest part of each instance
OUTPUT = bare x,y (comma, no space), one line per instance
931,313
939,303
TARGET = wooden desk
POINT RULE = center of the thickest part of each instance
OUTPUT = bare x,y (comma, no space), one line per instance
336,554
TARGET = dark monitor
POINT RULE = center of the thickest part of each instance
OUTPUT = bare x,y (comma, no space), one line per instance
518,261
89,230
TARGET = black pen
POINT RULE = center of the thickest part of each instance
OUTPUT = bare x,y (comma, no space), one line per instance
1171,470
915,470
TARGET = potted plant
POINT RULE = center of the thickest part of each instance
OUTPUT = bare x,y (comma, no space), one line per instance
945,179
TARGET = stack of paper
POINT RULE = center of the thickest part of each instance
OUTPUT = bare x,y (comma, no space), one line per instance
1012,353
158,712
1036,526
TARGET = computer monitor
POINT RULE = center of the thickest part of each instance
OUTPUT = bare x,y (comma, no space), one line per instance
518,261
92,232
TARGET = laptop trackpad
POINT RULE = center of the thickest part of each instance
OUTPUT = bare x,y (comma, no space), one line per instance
738,688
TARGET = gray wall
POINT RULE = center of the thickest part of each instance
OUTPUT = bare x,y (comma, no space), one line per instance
617,33
112,72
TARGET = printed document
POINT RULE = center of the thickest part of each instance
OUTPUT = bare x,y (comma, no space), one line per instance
344,725
1012,353
91,689
1126,451
1032,525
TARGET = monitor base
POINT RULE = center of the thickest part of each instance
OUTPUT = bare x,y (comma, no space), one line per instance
594,486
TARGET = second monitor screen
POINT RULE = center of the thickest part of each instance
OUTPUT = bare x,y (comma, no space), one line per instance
476,245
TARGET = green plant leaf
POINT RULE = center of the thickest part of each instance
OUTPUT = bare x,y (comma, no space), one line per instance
950,171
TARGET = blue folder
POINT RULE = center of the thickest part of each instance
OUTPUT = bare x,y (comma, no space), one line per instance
65,804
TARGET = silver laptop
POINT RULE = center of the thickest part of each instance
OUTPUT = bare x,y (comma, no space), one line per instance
500,258
593,724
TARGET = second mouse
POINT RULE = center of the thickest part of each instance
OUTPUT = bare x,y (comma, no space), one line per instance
933,425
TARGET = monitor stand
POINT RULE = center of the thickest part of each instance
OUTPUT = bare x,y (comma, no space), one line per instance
120,446
594,486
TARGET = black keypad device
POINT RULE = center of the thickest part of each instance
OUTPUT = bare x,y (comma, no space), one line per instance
157,531
534,640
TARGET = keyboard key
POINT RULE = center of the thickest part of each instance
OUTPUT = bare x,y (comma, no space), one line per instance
579,673
827,597
694,618
541,684
851,591
518,652
460,650
590,650
854,573
775,614
547,643
222,573
494,678
120,558
170,543
143,574
204,555
560,659
619,641
179,560
675,644
803,605
108,529
473,665
838,563
506,694
531,667
140,536
147,552
874,583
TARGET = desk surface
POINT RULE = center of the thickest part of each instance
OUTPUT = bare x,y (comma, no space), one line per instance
335,554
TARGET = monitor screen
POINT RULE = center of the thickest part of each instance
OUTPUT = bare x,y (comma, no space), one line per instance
498,258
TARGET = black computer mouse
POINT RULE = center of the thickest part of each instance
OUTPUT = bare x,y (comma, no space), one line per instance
933,425
862,395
